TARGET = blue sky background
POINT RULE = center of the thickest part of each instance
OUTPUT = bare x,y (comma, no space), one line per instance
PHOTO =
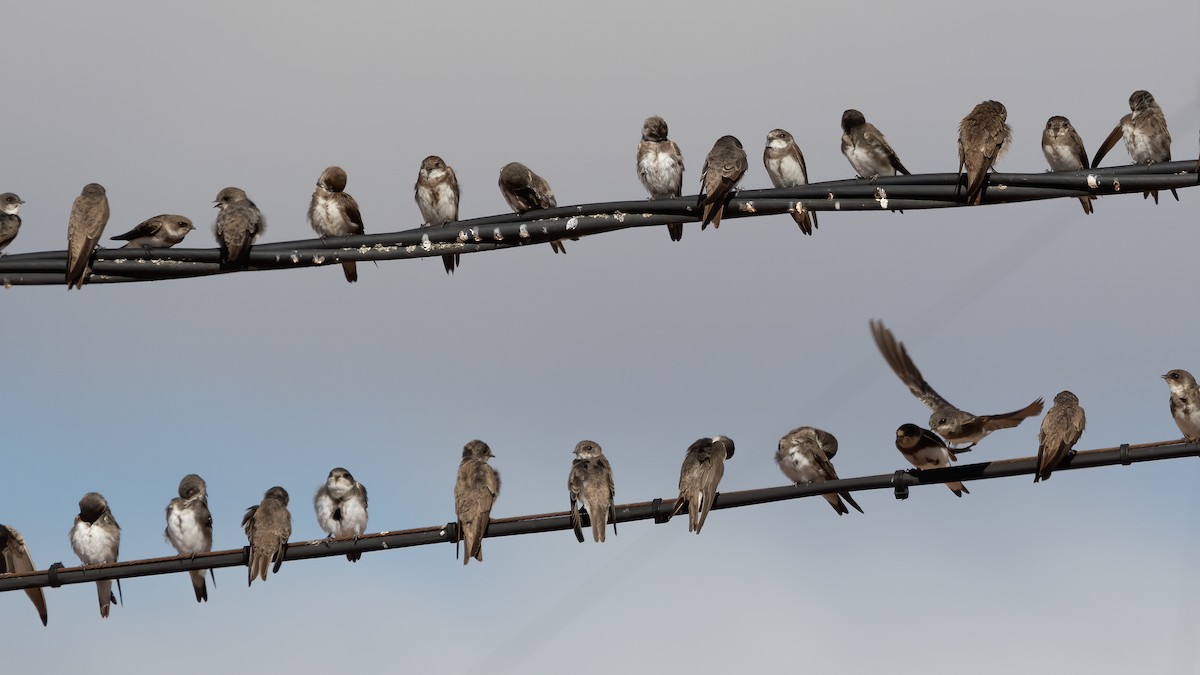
253,380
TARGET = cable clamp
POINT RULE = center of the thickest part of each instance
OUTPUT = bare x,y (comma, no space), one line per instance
1123,454
52,575
900,483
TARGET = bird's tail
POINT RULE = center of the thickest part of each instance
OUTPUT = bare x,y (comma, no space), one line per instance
198,585
350,270
958,488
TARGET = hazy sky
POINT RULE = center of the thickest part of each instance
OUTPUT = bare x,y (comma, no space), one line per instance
638,343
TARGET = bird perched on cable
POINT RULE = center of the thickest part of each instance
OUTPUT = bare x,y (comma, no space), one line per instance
660,166
162,231
983,138
591,481
341,506
89,215
804,457
189,526
96,539
924,450
334,213
1185,403
475,492
1146,137
723,167
239,224
956,426
10,221
703,467
785,165
1061,429
436,193
1064,151
524,191
866,149
268,527
15,559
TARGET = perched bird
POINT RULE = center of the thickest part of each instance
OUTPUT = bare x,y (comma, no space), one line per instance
660,166
983,138
96,539
1064,151
785,166
803,457
925,450
162,231
15,559
239,224
436,193
1146,137
702,469
341,505
1061,429
10,222
89,215
475,492
956,426
189,526
866,149
591,481
723,167
334,213
268,527
524,191
1185,403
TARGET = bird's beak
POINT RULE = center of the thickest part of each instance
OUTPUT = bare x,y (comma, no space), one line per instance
1163,376
216,204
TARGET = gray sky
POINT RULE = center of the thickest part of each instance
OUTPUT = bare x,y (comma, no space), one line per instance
643,345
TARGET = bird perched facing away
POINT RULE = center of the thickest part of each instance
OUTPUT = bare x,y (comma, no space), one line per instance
15,559
785,165
189,526
96,539
983,138
1185,403
723,167
341,506
10,222
162,231
924,450
1146,137
804,457
334,213
89,215
1061,429
437,193
475,492
956,426
660,166
239,224
703,467
524,191
268,527
1064,151
866,149
591,481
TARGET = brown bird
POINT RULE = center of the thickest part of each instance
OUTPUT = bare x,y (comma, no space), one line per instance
15,559
96,539
924,450
591,481
866,149
437,193
524,191
702,469
1064,151
268,527
238,225
89,215
983,138
475,492
334,213
1146,137
660,166
786,168
804,457
10,219
724,166
189,526
162,231
956,426
1061,429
